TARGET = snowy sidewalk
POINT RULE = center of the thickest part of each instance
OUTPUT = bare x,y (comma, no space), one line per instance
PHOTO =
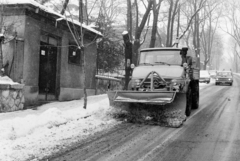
63,106
34,134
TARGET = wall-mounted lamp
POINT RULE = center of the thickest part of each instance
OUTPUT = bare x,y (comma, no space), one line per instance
37,10
59,19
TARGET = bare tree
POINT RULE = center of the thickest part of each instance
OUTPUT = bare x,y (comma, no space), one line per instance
64,7
139,28
236,56
129,18
216,52
212,13
232,24
78,36
171,17
156,9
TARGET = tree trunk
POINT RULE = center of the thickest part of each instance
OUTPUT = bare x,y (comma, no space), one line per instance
236,58
159,39
129,18
81,11
127,38
178,22
196,39
236,64
136,46
138,32
156,8
128,58
172,23
86,9
1,56
205,65
169,24
83,53
64,7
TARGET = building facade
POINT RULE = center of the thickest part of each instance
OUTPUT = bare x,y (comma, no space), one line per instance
40,51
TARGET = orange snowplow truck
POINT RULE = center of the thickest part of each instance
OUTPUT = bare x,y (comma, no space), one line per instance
164,86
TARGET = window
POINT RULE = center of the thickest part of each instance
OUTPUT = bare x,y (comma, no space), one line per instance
74,54
224,73
167,56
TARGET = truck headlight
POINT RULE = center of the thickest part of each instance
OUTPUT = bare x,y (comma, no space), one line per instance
137,82
176,82
176,85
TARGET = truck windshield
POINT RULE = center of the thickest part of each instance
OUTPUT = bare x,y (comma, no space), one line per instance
160,57
224,74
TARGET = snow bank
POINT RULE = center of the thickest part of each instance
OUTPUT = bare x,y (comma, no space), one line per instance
237,74
6,80
59,124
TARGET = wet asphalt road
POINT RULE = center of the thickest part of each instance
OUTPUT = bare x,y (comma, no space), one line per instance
211,133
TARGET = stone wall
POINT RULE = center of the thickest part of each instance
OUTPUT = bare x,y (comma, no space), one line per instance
11,97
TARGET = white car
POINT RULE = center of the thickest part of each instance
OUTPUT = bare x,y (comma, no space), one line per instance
204,76
213,73
224,77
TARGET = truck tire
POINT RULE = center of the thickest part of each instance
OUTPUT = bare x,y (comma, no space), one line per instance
189,102
195,97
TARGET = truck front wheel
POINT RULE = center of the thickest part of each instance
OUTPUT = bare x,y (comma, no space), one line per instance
189,102
195,99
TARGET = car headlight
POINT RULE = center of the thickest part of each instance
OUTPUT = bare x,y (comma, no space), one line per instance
229,79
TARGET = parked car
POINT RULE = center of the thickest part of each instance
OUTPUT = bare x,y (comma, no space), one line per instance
224,77
213,73
204,76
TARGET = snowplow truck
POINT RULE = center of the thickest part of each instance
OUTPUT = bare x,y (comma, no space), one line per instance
163,89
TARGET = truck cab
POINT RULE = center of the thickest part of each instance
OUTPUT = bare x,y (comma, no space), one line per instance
170,65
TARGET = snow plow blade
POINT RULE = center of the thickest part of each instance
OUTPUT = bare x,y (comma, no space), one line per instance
157,107
144,97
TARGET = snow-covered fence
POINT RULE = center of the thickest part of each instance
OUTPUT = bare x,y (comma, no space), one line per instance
11,96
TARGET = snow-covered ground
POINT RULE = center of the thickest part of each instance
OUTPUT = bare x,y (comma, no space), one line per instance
237,74
34,134
201,85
